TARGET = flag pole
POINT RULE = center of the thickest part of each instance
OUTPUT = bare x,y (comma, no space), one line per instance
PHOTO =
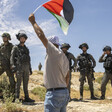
39,7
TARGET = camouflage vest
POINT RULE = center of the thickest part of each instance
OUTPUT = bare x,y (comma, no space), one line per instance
5,50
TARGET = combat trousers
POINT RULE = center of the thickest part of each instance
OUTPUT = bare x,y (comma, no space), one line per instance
69,85
82,79
107,76
22,74
11,77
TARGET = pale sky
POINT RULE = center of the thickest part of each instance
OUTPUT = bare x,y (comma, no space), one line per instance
92,23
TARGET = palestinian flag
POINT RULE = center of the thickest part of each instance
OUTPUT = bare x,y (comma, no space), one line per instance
62,10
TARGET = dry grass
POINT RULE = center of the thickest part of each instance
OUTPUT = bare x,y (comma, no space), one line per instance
97,90
38,93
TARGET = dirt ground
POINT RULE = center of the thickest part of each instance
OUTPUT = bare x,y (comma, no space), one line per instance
36,80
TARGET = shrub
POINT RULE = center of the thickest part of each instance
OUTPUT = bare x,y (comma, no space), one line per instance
40,92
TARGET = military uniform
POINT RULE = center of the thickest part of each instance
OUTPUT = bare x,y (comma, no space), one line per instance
39,66
71,58
86,64
20,62
5,53
107,60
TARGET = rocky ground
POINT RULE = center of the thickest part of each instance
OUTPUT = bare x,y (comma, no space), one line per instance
36,81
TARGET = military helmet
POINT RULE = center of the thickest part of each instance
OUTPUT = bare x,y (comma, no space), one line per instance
6,35
20,34
84,45
107,48
65,45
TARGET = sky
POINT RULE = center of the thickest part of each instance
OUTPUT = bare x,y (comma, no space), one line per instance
92,24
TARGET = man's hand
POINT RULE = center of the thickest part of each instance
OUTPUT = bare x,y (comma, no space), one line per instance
32,18
104,53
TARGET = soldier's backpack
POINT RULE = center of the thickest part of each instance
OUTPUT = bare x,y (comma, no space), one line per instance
108,63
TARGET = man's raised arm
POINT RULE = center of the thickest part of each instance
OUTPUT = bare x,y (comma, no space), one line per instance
38,30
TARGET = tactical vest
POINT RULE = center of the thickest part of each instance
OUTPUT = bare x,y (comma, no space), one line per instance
22,55
108,63
85,61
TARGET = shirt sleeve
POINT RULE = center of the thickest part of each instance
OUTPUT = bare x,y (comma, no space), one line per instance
52,50
65,65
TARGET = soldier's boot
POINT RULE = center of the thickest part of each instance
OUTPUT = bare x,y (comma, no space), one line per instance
81,96
102,97
16,99
102,94
93,97
27,99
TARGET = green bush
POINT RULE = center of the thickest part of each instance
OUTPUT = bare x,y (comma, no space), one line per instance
8,96
86,88
40,92
99,80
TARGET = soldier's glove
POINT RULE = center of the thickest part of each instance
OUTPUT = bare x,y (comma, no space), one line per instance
31,71
14,69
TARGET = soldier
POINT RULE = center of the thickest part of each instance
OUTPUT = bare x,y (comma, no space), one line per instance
65,47
40,66
108,69
20,62
86,64
5,53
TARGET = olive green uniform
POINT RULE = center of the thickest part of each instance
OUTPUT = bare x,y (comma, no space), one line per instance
5,53
108,72
86,64
71,58
20,59
39,66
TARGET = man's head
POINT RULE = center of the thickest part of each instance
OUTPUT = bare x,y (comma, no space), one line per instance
54,40
84,47
65,47
22,37
6,37
107,50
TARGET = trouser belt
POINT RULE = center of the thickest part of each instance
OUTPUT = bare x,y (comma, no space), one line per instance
53,89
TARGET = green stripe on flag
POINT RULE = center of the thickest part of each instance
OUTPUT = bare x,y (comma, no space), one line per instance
63,23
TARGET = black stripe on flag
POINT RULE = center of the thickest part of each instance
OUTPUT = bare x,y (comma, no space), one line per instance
68,11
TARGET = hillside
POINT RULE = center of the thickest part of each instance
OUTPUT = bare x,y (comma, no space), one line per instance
37,92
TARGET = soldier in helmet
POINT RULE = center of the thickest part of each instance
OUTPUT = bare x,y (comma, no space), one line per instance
39,66
20,63
65,47
107,60
86,62
5,53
